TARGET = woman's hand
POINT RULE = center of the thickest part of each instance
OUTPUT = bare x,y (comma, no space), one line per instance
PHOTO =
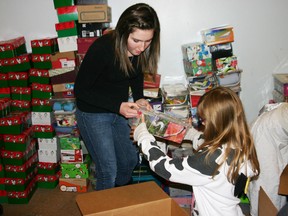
129,109
144,103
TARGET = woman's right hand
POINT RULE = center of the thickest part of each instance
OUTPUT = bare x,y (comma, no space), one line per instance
129,110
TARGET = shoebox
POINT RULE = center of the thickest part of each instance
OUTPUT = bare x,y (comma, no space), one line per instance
43,131
20,105
63,87
151,81
19,184
83,44
62,3
13,47
49,155
195,51
137,199
71,156
19,142
41,105
90,30
42,118
4,80
100,13
281,83
21,93
42,61
227,64
65,77
221,50
19,79
49,143
73,185
63,60
15,123
68,13
44,46
64,94
2,183
19,158
3,196
198,67
2,170
67,44
39,76
66,29
22,197
151,92
45,168
4,106
47,181
15,64
218,35
41,91
88,2
69,142
5,93
76,170
21,171
164,126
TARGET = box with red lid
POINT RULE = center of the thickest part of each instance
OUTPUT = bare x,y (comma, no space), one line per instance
19,184
42,61
41,105
43,131
48,181
66,29
18,142
13,47
4,80
68,13
21,93
41,91
20,105
44,46
15,64
45,168
39,76
19,79
15,123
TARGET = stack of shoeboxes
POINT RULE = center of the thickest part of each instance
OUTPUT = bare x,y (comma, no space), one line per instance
18,146
43,55
210,63
280,92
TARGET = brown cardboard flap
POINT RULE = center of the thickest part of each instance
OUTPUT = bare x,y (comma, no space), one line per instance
139,199
283,185
265,205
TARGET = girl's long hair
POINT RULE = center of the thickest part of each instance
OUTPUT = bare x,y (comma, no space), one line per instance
138,16
225,123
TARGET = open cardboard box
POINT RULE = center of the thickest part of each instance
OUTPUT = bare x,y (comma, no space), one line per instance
133,200
265,205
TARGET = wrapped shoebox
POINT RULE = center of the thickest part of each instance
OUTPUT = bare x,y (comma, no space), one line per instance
19,184
42,118
83,44
63,60
21,93
45,168
49,143
47,181
164,126
62,3
195,51
281,83
42,61
41,105
15,64
22,171
198,67
69,142
18,142
227,64
5,93
4,80
49,155
175,94
41,91
100,13
179,112
19,158
221,50
68,13
19,79
15,123
44,46
73,184
137,199
13,47
43,131
218,35
66,29
76,170
71,156
39,76
67,44
20,105
22,197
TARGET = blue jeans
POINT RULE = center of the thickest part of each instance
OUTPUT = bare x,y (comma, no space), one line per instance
107,139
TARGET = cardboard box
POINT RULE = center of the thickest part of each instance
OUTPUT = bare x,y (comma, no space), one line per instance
94,13
139,199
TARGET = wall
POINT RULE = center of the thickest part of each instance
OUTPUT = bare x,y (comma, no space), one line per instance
259,27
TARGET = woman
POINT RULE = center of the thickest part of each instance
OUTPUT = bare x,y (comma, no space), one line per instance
223,159
114,63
